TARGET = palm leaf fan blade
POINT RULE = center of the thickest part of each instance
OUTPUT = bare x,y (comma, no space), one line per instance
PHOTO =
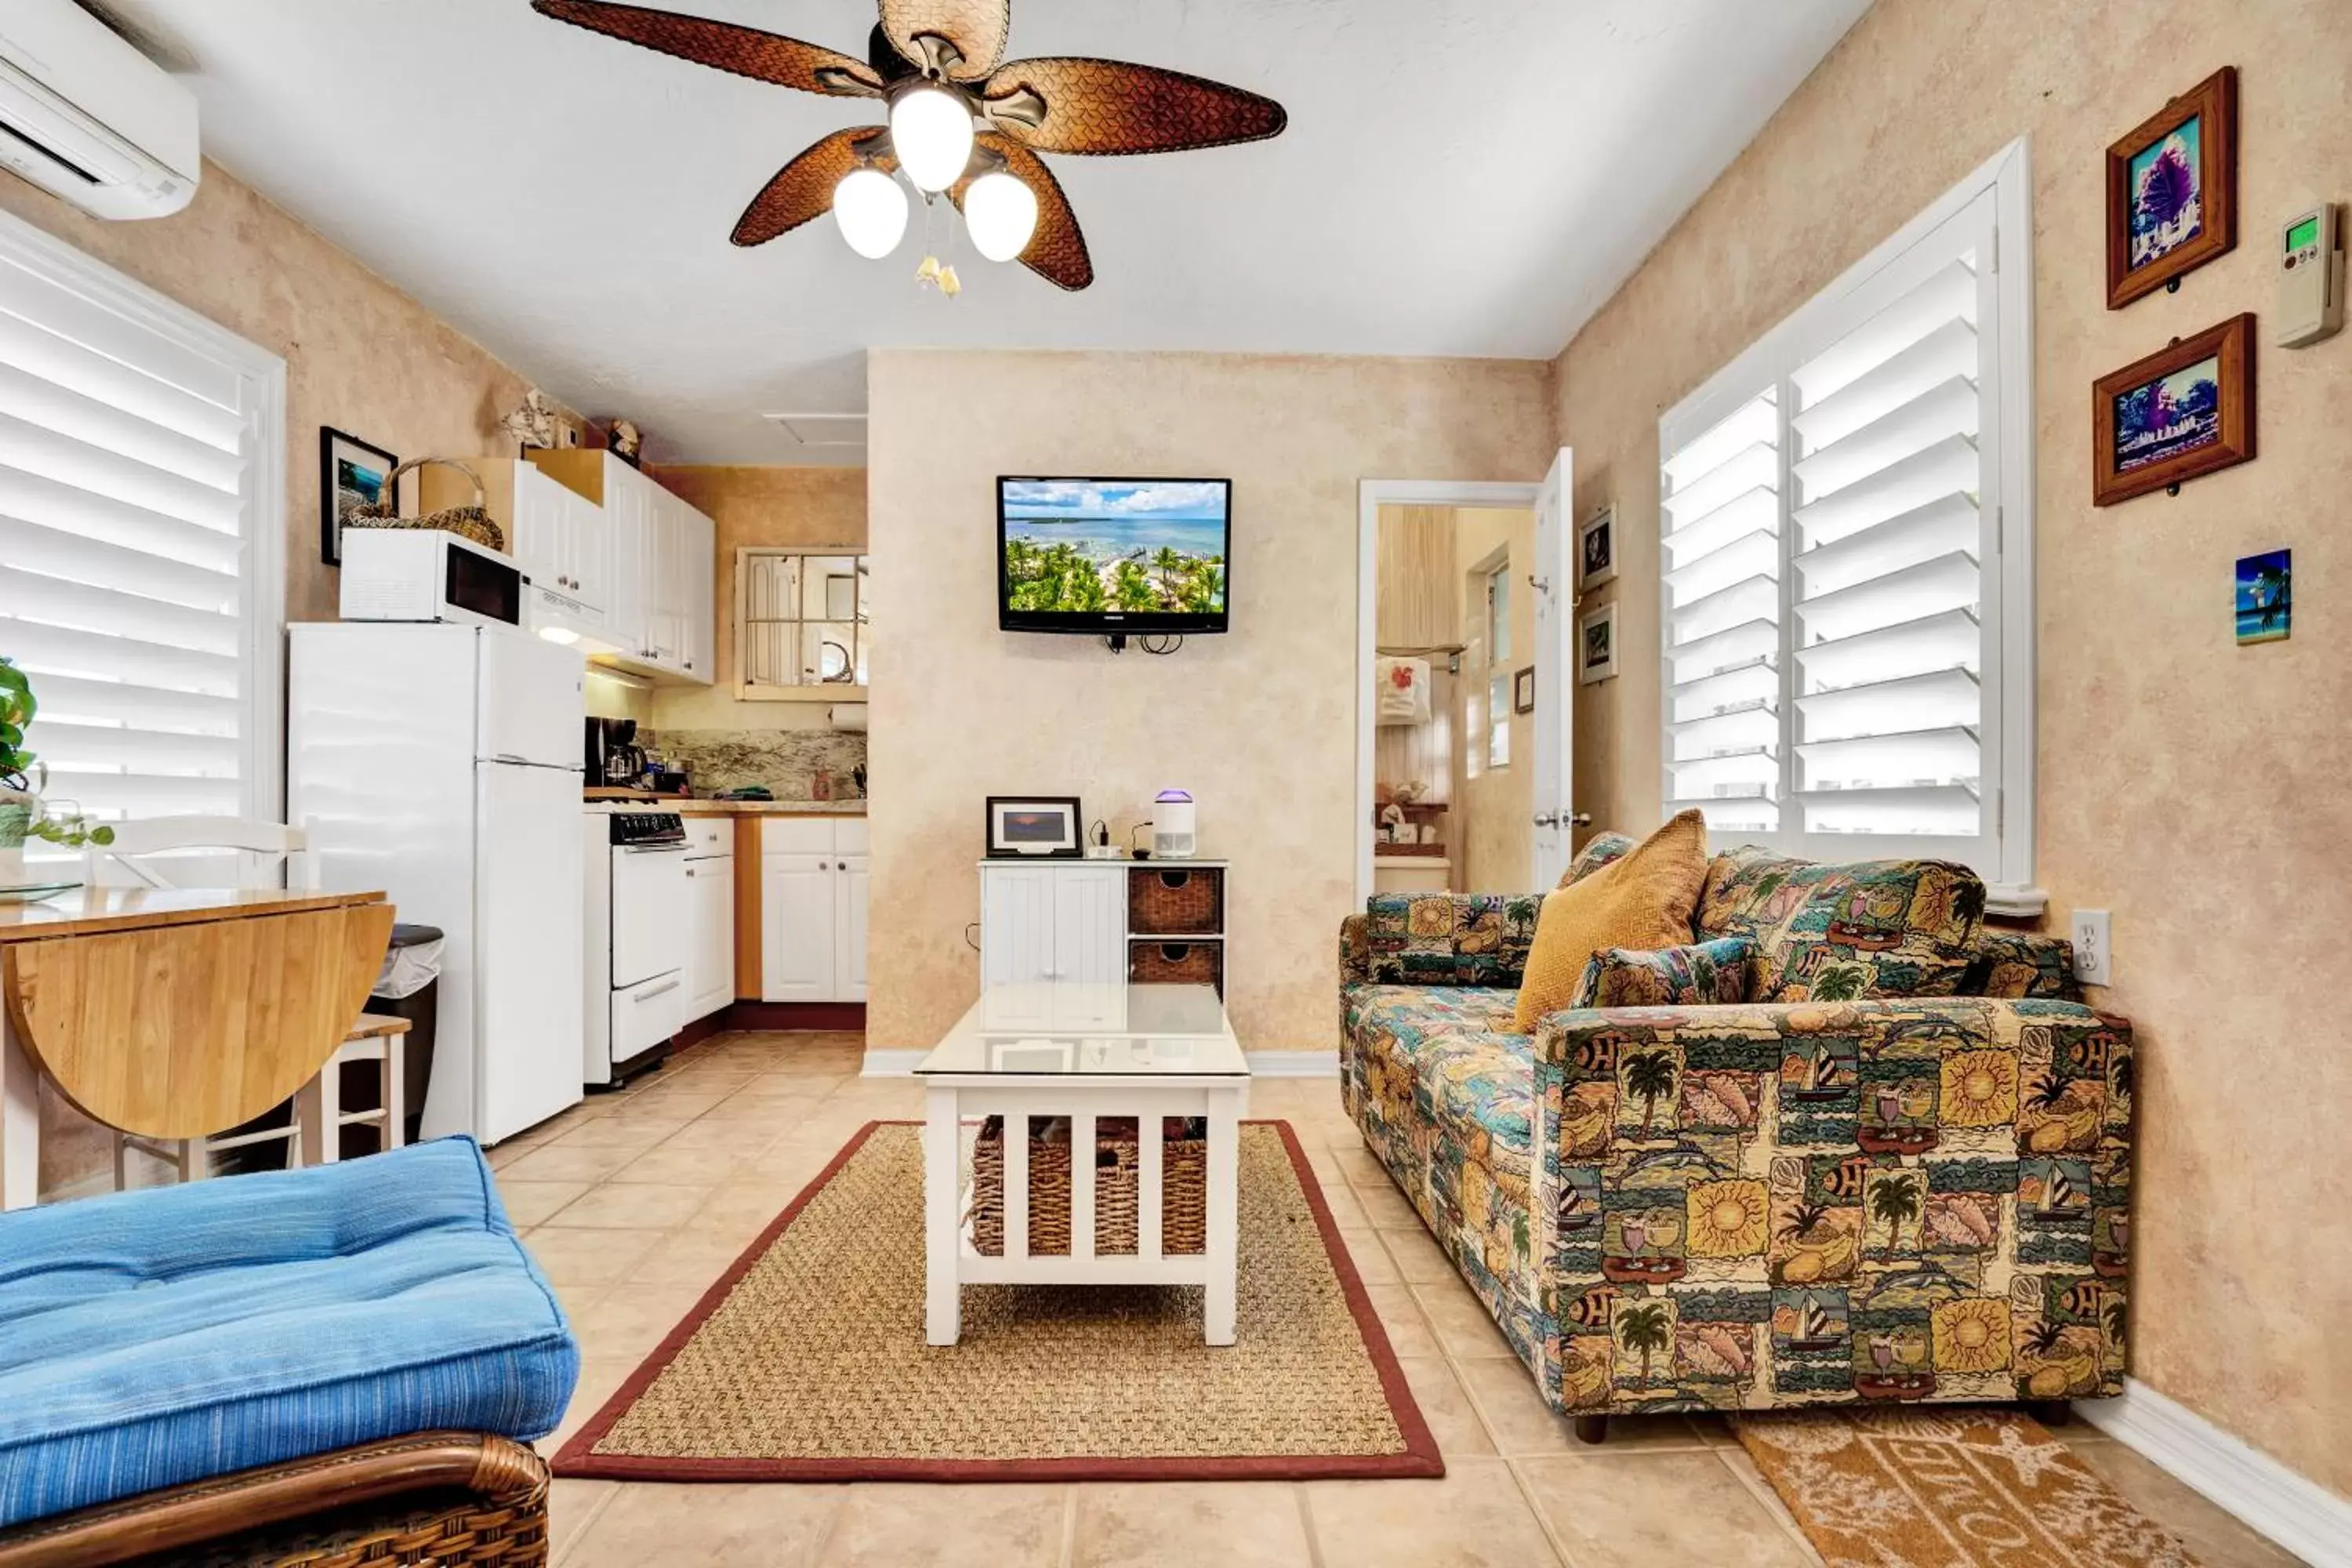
1057,251
722,45
803,189
975,28
1109,107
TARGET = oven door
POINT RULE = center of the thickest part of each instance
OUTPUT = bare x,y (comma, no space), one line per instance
650,917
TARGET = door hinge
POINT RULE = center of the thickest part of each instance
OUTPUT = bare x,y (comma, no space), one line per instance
1996,250
2000,529
2000,812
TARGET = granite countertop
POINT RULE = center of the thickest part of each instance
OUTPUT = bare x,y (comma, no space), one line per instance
690,807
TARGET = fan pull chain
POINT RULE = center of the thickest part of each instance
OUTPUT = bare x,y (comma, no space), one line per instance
930,274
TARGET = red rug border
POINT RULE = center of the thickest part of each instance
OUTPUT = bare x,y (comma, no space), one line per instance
1420,1459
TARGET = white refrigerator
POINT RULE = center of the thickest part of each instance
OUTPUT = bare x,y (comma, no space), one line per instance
442,763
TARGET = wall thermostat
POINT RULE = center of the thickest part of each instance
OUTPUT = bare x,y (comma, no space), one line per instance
2311,278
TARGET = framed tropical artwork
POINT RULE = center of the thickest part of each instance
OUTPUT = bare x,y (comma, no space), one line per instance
2265,596
2173,191
2182,413
1596,548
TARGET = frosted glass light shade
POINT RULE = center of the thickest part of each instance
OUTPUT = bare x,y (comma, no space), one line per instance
930,130
1002,213
871,209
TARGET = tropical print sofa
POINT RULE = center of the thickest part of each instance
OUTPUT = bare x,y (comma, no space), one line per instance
1838,1197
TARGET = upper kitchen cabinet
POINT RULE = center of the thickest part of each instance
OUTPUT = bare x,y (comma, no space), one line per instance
658,616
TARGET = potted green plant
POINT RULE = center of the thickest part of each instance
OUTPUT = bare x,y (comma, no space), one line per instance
22,813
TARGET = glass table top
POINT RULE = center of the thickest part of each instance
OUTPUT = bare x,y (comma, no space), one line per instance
1054,1028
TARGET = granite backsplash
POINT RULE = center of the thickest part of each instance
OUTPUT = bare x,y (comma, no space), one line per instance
786,761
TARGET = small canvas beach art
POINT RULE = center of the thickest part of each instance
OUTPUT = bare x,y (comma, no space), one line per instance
1140,546
2265,596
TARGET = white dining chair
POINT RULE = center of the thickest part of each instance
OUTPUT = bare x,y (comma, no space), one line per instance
313,1136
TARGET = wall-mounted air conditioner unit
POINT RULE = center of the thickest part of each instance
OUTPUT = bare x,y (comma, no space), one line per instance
87,116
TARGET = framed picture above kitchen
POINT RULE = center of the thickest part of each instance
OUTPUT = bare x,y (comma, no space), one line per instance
352,473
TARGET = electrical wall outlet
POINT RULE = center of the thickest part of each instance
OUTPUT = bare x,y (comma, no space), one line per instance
2092,961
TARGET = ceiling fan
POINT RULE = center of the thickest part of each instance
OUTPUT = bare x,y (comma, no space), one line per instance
938,66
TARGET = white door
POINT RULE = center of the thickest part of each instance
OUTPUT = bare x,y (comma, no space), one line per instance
586,536
538,541
849,891
529,700
710,958
1090,925
625,527
796,936
1016,924
1554,581
529,965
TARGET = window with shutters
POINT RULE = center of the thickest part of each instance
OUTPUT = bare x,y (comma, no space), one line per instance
1846,561
141,514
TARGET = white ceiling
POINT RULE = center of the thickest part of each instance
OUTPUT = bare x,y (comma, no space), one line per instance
1459,177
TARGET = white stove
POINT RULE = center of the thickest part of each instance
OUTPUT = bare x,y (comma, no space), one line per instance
637,929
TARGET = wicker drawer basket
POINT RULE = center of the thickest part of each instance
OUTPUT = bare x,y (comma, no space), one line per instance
1183,1203
1178,903
1176,963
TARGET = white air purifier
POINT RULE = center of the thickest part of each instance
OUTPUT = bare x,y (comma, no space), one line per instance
1172,838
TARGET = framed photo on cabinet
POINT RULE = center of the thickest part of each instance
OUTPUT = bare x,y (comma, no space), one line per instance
2172,190
2183,412
1034,824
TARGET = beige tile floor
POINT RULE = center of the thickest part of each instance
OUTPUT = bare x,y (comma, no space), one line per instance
634,1203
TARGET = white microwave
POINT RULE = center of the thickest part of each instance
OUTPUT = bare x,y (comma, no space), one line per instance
428,574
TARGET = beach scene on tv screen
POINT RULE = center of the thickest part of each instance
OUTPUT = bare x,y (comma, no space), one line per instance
1145,547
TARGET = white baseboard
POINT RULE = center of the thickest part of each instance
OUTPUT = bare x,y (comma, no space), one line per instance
1294,1064
1263,1064
2300,1515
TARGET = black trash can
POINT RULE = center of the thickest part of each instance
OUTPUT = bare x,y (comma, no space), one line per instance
410,988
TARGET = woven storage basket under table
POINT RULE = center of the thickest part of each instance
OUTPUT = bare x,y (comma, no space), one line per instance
1184,1189
1175,902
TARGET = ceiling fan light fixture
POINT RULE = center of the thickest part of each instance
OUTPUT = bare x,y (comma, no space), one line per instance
1001,211
930,130
871,209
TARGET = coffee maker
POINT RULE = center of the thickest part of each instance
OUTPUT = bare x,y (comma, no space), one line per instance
612,756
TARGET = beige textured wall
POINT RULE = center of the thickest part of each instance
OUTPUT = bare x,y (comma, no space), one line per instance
2194,788
754,505
360,355
1260,724
1496,835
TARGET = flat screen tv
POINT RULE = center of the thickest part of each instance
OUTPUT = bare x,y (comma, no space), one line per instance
1113,557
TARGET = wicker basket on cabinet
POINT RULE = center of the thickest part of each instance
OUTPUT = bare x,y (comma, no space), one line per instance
1183,1202
1166,902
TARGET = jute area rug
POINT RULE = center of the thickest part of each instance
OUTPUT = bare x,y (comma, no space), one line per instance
806,1360
1958,1487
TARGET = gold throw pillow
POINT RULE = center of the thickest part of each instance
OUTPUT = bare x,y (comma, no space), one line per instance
1643,900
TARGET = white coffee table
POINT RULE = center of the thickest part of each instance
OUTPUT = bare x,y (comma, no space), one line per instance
1084,1052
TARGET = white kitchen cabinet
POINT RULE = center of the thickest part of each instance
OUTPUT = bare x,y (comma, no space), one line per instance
558,536
796,937
812,887
646,563
850,889
710,951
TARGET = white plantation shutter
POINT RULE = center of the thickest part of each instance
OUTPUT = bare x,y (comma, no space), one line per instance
1848,643
141,455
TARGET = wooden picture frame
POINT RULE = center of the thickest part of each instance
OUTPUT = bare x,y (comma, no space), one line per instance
337,449
1030,827
2188,152
2207,420
1523,690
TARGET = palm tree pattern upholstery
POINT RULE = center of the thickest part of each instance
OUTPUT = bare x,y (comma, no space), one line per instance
1762,1205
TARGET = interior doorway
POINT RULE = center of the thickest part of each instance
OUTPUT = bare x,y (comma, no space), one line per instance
1451,594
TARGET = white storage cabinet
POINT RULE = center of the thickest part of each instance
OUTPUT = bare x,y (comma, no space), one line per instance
813,898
